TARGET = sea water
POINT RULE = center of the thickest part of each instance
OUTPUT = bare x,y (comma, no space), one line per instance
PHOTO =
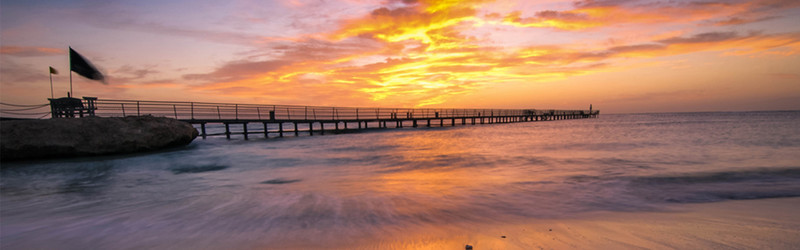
327,190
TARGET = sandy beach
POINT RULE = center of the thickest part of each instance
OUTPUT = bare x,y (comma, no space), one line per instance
745,224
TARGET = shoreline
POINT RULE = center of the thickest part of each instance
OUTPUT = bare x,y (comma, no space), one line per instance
751,224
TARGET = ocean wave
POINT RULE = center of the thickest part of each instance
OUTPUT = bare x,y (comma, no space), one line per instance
716,186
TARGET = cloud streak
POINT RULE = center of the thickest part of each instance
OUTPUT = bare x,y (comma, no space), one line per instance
27,51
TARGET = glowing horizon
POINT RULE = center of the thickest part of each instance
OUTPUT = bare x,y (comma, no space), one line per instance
621,56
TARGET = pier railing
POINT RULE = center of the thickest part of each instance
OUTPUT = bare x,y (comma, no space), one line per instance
24,111
253,112
229,111
288,118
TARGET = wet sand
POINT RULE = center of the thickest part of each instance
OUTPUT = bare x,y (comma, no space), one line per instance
745,224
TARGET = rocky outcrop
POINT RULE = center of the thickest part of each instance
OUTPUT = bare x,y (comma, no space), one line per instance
70,137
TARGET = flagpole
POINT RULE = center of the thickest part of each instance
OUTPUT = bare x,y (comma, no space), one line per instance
52,95
70,72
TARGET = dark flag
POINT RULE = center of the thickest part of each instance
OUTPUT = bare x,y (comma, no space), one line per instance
53,71
80,65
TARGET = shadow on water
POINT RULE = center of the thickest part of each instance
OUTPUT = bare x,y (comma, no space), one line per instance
280,181
88,179
197,169
91,159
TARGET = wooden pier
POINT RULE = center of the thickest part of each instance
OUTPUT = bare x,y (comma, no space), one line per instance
281,120
226,119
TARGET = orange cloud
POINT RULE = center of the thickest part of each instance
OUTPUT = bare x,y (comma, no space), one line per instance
420,54
595,14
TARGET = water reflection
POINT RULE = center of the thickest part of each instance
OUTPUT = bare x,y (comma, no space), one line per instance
407,188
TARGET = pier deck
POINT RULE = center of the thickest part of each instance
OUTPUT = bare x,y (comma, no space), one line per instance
280,120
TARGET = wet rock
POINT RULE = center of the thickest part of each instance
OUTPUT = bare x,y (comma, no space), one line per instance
468,247
72,137
503,236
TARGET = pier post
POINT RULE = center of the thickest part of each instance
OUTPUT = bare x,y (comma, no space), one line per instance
311,128
266,132
322,128
227,130
296,131
203,129
244,128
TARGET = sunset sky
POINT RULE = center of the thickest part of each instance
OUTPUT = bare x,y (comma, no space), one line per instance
619,55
